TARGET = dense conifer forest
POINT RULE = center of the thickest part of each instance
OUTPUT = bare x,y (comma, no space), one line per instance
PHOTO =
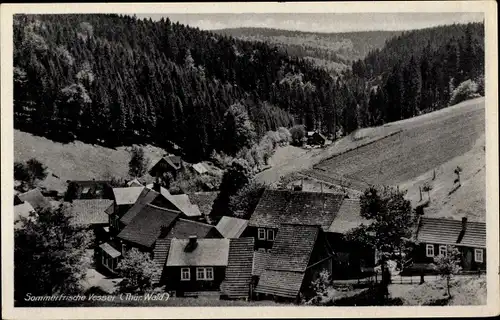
117,80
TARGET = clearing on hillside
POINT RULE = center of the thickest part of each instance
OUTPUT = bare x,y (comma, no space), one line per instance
421,146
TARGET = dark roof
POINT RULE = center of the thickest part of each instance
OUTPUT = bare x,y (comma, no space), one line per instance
167,161
147,196
146,226
204,200
260,259
208,252
90,211
448,231
293,247
281,283
35,198
182,229
348,217
286,206
239,268
230,227
288,260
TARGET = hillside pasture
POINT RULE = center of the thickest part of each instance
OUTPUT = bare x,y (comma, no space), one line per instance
423,144
75,160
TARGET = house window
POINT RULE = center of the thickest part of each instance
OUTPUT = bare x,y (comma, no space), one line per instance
204,273
478,255
185,274
200,273
442,250
209,273
270,235
262,234
429,249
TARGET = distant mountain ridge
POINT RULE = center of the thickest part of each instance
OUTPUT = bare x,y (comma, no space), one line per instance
333,50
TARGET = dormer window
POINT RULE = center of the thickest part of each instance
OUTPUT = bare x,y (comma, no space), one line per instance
261,234
270,235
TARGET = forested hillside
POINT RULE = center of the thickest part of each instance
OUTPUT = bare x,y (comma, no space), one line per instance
336,50
117,80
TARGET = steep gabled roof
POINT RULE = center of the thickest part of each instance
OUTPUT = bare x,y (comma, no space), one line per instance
145,228
288,260
448,231
239,268
147,196
127,196
180,201
286,206
134,183
90,211
35,198
230,227
208,252
200,168
348,217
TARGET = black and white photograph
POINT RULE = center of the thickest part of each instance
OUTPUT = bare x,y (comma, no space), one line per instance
250,159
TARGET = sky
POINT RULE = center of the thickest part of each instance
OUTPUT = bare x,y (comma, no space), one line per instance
321,22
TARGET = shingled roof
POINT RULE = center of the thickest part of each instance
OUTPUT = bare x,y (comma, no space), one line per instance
239,268
22,210
180,201
348,217
286,206
145,228
230,227
288,260
35,198
182,229
90,211
448,231
260,259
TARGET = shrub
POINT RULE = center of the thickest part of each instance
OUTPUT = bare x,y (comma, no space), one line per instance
138,269
139,163
30,173
465,90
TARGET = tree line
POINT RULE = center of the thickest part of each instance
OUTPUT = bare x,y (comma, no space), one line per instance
118,80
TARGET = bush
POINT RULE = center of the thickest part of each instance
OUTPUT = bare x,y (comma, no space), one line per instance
139,163
138,269
465,90
243,203
29,173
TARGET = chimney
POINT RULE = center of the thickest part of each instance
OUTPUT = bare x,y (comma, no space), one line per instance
192,244
192,239
464,223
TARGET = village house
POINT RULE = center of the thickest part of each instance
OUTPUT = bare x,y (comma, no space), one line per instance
181,229
91,213
167,164
299,253
315,138
199,168
435,235
333,212
231,227
201,266
89,189
180,201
